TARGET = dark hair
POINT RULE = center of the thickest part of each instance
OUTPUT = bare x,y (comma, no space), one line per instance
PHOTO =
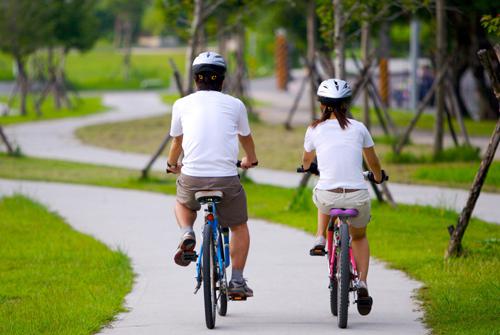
209,81
339,108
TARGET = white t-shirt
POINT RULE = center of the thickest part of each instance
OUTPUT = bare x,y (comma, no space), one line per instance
339,153
210,122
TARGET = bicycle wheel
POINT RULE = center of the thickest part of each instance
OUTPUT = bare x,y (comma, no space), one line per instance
222,288
343,277
209,277
333,293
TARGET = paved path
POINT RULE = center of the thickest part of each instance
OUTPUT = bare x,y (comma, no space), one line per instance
55,139
291,295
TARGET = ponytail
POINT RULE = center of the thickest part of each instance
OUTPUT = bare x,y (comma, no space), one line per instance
339,109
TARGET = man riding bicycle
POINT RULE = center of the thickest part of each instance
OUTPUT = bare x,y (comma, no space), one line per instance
207,125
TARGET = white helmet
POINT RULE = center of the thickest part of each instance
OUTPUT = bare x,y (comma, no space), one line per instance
209,62
332,90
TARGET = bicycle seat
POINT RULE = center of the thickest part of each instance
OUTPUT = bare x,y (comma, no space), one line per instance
345,212
204,197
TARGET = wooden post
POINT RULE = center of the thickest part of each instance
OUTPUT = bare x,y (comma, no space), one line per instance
456,109
339,40
145,171
281,60
365,46
311,55
5,140
455,244
177,77
440,54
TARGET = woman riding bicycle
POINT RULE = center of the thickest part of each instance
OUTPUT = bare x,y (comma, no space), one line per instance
339,144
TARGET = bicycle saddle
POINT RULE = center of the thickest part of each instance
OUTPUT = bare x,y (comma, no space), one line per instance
204,197
346,212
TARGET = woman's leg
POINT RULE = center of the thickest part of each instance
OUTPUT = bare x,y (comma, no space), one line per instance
360,250
322,223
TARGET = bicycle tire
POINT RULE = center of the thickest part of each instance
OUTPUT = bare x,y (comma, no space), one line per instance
222,301
209,280
333,294
344,278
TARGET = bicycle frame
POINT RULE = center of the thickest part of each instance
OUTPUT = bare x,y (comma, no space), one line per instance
333,240
222,258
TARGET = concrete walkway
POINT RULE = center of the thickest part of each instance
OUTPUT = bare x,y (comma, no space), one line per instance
56,139
291,294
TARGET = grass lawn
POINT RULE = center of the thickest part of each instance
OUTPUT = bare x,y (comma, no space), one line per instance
55,280
102,69
282,150
82,106
460,295
426,122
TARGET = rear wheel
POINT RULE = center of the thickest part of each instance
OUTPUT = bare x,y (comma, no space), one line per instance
333,293
209,277
343,277
222,301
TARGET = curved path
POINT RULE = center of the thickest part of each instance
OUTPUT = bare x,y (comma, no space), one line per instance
56,139
291,295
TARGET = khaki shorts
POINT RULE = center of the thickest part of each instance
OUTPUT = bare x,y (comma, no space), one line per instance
326,200
232,210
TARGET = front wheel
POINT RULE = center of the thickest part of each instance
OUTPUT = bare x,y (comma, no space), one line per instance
343,277
209,276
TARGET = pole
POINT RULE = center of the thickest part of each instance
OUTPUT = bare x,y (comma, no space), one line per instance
415,29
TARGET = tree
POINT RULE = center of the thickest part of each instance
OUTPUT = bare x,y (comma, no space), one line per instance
456,234
23,26
466,36
75,26
127,15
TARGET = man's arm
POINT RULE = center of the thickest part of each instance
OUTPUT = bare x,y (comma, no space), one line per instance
251,157
174,154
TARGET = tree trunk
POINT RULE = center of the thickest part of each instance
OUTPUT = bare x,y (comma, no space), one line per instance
339,40
10,149
455,244
127,45
440,92
193,44
22,79
365,47
311,50
384,55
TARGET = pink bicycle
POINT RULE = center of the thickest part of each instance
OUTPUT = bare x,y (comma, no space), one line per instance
343,272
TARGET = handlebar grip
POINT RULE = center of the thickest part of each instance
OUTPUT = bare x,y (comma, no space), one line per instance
238,163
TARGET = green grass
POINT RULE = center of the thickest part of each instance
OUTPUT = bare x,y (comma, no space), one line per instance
5,67
426,122
460,295
102,69
55,280
82,106
282,150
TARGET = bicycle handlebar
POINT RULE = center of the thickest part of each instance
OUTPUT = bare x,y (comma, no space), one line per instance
368,175
238,163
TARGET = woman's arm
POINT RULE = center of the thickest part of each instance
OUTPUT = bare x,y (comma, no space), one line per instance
373,162
307,159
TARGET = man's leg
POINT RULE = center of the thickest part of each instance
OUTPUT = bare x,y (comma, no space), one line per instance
185,216
185,219
360,250
240,243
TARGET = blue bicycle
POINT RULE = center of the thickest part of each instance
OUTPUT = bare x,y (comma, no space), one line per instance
214,259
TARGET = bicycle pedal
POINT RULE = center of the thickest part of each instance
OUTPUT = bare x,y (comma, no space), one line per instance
317,252
237,298
189,256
